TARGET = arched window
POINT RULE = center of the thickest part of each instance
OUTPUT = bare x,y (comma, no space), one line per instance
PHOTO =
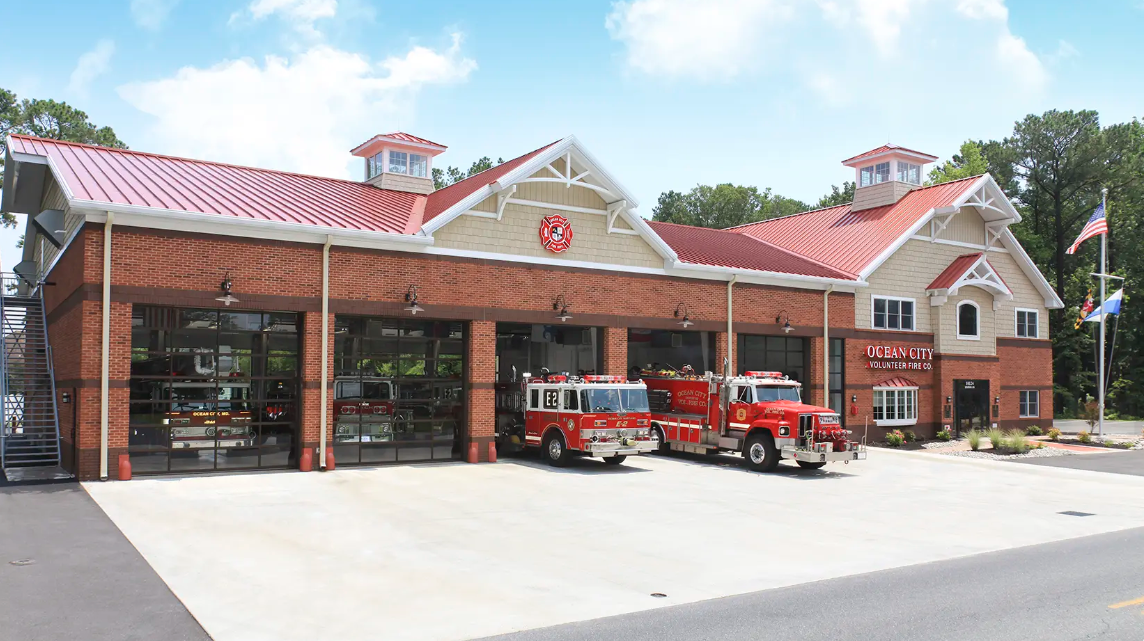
968,319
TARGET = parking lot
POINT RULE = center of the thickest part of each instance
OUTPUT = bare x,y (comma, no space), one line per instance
459,551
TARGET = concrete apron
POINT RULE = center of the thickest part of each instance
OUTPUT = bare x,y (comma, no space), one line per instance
462,551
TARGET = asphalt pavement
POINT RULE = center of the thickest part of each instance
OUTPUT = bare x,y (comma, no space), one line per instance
1072,426
66,572
1131,462
1085,588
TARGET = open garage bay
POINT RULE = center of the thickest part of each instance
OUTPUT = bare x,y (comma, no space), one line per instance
459,551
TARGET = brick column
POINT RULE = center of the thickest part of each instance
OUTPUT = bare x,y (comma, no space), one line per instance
813,391
721,352
119,375
480,399
615,343
310,403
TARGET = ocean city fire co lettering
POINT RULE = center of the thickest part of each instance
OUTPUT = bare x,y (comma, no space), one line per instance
894,357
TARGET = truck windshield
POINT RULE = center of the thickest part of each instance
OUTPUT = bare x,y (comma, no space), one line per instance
614,400
764,393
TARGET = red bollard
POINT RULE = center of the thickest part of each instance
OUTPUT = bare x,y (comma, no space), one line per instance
492,452
307,461
472,453
329,460
124,467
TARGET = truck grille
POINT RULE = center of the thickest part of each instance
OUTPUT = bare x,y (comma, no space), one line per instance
805,425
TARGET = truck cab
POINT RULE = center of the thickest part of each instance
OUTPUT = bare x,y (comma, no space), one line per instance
598,416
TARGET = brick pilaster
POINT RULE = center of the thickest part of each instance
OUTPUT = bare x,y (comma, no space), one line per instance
480,361
615,343
721,352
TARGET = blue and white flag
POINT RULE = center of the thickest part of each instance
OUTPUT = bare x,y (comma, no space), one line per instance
1110,306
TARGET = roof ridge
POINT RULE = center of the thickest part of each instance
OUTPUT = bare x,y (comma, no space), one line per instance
797,213
150,154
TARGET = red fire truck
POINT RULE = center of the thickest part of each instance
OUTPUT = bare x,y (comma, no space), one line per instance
598,416
205,414
760,414
363,409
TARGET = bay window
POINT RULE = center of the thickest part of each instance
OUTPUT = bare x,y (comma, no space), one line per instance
895,406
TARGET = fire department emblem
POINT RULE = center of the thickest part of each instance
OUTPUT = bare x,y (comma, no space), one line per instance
555,233
741,414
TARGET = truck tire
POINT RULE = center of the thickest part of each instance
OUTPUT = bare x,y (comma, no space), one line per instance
808,465
760,452
616,460
555,450
658,435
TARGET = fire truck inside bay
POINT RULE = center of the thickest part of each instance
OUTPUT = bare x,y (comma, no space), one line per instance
564,416
760,414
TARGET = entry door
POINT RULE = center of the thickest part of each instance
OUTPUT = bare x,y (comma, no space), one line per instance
971,405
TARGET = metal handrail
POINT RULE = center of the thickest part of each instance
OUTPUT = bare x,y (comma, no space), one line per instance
51,371
3,382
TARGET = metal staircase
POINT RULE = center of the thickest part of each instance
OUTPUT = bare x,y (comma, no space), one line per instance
30,428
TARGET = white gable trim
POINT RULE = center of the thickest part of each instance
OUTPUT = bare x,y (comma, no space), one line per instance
1052,301
980,274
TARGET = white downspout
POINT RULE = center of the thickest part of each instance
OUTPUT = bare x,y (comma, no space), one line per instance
105,357
730,344
826,346
325,347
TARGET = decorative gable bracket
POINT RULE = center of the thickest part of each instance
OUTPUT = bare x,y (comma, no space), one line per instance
979,273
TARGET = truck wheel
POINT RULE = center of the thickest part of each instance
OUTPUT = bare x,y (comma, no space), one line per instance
660,440
554,450
808,465
615,460
761,453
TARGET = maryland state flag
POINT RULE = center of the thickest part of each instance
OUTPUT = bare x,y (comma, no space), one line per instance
1084,310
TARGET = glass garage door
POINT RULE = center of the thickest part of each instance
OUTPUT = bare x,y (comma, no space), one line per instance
212,389
398,389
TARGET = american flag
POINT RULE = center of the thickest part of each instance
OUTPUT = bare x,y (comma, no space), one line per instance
1094,227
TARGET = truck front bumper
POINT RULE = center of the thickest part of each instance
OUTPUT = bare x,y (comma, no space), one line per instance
629,448
793,453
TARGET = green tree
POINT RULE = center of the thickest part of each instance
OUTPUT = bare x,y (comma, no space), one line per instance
836,197
444,177
48,119
722,206
970,161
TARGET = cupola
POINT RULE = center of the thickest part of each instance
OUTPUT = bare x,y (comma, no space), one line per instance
886,174
399,162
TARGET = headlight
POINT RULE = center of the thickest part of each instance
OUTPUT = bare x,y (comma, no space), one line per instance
622,433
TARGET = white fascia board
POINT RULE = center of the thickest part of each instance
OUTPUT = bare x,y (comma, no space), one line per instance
396,142
897,244
1052,301
756,277
215,224
909,154
601,172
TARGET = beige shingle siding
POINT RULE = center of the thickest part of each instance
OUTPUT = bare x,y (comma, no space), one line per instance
946,340
966,227
881,194
518,231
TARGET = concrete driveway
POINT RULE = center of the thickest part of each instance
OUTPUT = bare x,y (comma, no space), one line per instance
461,551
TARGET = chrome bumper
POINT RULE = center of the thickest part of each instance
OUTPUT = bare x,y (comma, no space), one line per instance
629,448
796,454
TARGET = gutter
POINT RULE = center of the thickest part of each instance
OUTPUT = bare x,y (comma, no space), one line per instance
730,346
826,346
325,348
105,357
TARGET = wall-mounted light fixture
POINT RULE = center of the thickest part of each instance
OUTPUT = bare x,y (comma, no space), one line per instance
226,298
561,307
853,398
997,400
948,399
784,320
682,314
411,305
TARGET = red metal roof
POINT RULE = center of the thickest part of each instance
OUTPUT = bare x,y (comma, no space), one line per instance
722,248
149,180
956,270
401,135
883,149
849,241
446,197
897,381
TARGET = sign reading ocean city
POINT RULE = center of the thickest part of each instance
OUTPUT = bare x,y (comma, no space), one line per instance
894,357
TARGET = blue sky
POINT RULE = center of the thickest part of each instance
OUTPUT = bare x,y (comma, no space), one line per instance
666,93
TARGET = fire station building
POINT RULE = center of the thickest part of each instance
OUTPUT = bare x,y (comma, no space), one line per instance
205,316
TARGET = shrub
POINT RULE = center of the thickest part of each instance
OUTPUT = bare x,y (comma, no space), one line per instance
1033,430
1084,437
944,435
1054,434
895,438
1126,445
1014,442
1109,443
910,436
1091,414
996,437
974,439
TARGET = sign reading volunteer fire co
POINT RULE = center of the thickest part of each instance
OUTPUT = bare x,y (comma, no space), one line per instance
895,357
555,233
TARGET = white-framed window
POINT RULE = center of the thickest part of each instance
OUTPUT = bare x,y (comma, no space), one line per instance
875,174
1030,404
968,321
418,165
892,312
895,406
375,163
909,173
398,162
1027,323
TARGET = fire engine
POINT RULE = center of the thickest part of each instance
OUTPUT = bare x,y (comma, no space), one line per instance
204,414
363,407
598,416
760,414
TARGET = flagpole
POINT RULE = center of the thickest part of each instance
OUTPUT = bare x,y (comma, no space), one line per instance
1103,309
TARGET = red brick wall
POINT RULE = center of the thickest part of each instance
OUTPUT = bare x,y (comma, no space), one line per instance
1025,365
859,381
480,359
615,344
721,352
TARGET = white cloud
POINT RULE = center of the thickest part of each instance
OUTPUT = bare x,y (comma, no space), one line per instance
1014,56
1065,50
685,38
883,20
90,66
151,14
300,113
301,14
983,9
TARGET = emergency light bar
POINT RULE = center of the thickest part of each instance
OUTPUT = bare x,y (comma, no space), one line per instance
601,378
755,374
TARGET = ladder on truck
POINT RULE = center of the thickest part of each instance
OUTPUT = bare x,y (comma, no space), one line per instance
29,417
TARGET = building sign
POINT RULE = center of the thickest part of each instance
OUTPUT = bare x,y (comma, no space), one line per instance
555,233
895,357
